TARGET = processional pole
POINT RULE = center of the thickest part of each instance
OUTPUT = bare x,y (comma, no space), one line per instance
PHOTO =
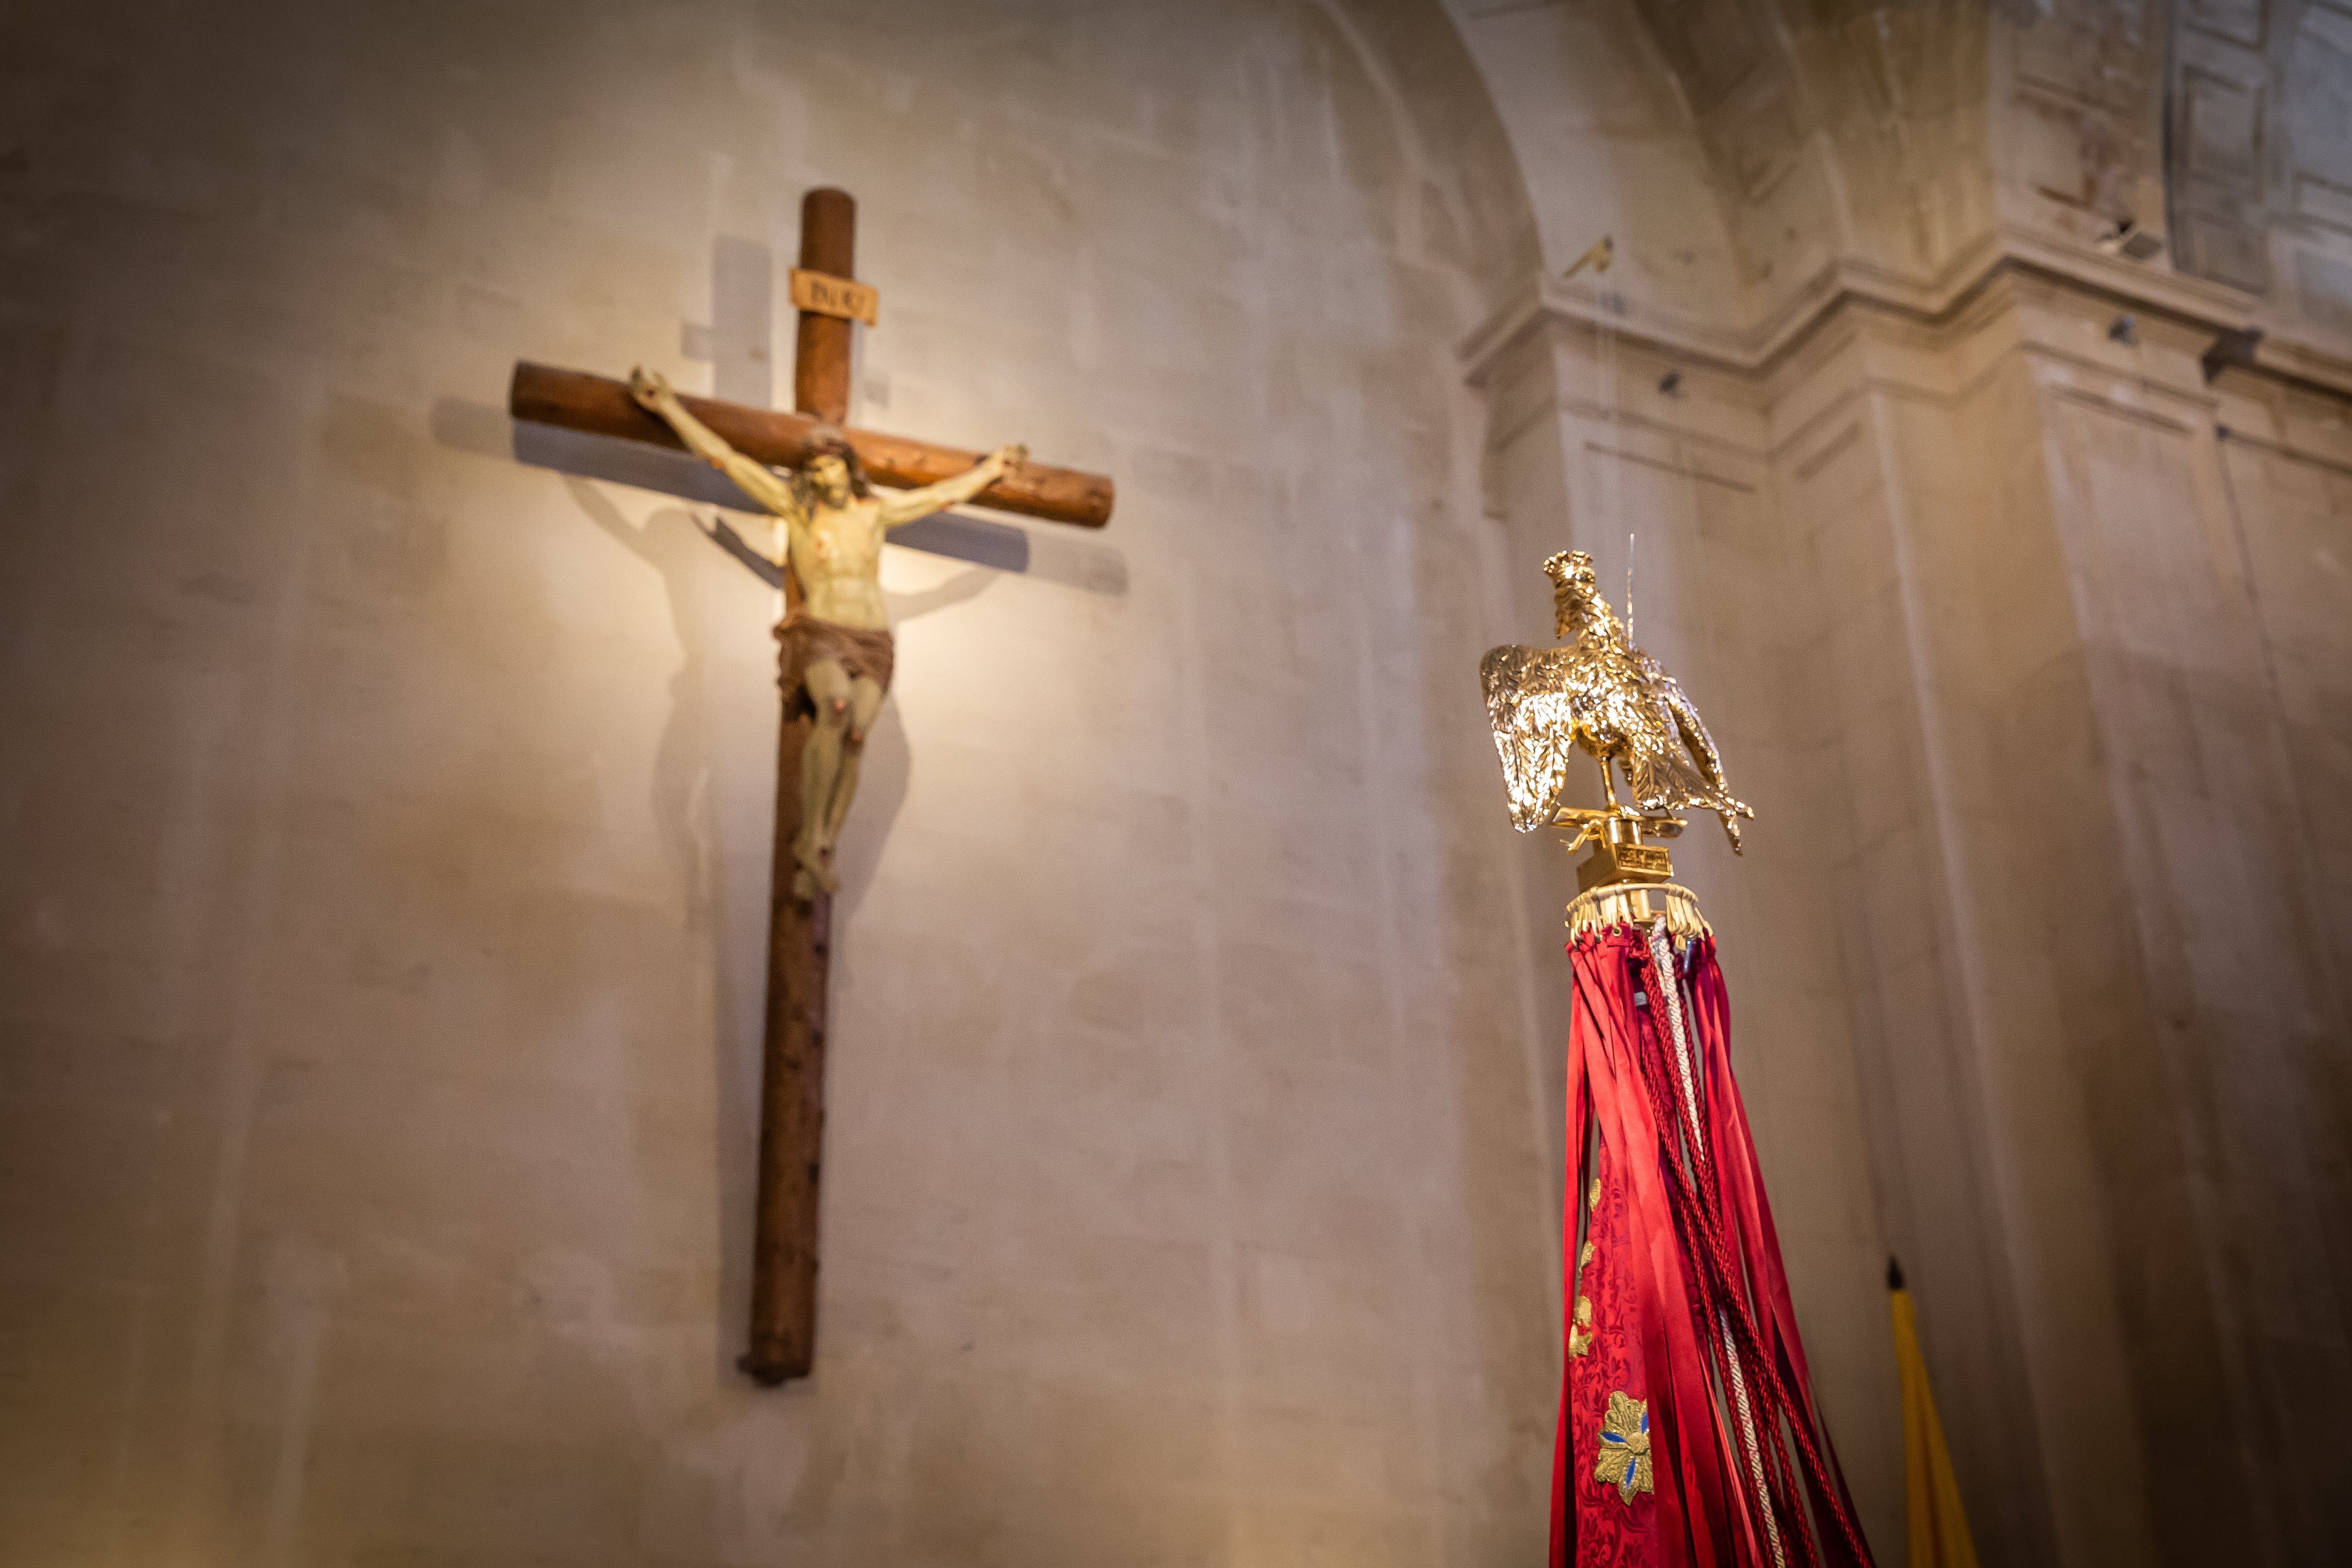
1689,1432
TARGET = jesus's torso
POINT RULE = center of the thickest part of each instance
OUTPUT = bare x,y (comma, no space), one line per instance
837,553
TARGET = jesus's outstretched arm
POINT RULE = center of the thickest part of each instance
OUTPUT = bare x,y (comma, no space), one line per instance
909,505
754,480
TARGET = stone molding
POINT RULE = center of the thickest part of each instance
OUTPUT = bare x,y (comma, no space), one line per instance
2012,249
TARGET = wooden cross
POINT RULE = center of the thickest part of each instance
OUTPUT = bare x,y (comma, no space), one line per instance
800,934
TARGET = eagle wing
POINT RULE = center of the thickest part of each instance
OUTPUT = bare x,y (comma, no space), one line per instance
1664,781
1686,770
1534,710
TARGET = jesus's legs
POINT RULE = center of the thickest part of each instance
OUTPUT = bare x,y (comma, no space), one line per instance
821,758
845,710
865,702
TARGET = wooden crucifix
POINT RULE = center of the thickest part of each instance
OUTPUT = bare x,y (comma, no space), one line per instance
836,660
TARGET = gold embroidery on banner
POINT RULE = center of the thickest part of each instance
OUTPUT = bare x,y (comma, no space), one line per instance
1580,1338
1624,1446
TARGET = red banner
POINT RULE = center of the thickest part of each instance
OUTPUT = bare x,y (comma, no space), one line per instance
1689,1434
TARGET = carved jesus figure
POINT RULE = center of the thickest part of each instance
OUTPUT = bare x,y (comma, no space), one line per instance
836,649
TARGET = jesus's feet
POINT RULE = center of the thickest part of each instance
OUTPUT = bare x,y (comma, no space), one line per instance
816,873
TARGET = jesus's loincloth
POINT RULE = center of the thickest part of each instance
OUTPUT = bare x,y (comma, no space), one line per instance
803,640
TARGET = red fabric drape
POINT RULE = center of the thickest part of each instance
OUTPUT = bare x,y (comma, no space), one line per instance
1668,1240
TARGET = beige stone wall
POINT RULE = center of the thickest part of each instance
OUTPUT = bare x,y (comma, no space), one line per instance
386,820
2026,641
383,808
2051,672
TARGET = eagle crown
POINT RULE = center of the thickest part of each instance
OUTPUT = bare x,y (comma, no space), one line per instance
1578,608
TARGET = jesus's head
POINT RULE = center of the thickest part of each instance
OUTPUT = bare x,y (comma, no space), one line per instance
828,472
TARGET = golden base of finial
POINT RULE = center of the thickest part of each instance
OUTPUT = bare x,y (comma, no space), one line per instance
1612,864
1625,880
1641,904
1617,853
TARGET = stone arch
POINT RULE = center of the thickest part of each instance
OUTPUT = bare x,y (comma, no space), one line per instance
1768,142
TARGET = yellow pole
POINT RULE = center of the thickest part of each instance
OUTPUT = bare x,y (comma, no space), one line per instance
1939,1530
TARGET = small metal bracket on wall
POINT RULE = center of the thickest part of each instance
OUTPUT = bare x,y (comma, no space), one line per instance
2235,347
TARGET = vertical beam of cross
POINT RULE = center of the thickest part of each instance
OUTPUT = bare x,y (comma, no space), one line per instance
820,354
799,936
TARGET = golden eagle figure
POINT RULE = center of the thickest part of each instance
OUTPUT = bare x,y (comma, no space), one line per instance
1599,693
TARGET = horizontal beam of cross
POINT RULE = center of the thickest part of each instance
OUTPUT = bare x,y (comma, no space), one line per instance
575,400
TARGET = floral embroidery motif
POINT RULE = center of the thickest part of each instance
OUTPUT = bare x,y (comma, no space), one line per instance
1624,1446
1580,1338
